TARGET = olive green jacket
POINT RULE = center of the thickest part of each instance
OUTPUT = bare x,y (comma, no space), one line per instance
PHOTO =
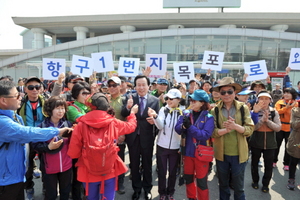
242,142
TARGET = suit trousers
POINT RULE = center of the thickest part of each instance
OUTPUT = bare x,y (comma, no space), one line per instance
139,155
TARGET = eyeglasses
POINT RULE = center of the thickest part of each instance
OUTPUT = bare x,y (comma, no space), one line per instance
85,93
112,85
74,82
17,96
230,92
164,84
31,87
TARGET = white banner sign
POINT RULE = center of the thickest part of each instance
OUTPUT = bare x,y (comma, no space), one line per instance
183,71
157,62
82,66
256,70
201,3
213,60
128,66
52,67
103,62
294,62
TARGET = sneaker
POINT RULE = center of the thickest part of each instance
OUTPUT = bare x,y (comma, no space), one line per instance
163,197
265,189
255,185
171,197
260,164
291,184
286,168
30,194
274,165
36,173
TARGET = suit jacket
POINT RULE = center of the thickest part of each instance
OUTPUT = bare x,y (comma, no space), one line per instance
146,130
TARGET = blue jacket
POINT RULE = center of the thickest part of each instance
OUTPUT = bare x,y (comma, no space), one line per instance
201,130
13,159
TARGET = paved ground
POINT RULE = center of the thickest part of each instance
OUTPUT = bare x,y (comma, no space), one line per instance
278,188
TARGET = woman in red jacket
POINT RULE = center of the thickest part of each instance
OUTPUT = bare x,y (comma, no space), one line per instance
96,128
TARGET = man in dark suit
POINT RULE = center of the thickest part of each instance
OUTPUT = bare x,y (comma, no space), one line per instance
140,142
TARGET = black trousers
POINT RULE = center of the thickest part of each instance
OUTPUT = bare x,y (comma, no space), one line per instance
121,154
293,164
268,156
137,153
279,138
76,185
12,192
31,165
167,160
63,179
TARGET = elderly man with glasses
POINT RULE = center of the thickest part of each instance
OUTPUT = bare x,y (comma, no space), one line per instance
233,124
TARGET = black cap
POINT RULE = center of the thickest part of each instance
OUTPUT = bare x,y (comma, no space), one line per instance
32,78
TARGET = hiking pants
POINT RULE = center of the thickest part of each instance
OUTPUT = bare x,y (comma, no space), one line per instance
192,167
94,190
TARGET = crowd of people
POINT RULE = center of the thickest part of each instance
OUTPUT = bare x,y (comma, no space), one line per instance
80,129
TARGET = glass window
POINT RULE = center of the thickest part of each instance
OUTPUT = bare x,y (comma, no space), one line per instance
107,46
88,50
269,47
252,46
152,45
169,45
219,43
62,54
186,48
202,43
77,51
121,49
137,47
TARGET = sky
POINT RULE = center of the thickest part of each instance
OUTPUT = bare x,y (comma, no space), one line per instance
10,33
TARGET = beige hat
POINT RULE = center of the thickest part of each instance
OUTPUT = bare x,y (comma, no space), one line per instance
228,81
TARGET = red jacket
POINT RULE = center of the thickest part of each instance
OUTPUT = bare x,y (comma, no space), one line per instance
98,119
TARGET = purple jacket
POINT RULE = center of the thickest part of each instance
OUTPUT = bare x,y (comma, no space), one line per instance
201,130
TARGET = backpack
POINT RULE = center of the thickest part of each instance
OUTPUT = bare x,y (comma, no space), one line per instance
99,150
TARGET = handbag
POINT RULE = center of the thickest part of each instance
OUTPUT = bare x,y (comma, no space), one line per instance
203,153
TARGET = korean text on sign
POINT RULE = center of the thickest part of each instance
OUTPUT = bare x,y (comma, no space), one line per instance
184,71
213,60
256,70
52,67
158,63
82,66
294,61
103,61
128,66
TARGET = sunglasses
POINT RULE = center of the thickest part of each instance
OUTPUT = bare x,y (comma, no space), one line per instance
112,85
168,98
230,92
18,96
31,87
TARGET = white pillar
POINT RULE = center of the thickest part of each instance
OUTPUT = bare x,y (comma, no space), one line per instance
279,27
54,37
127,29
80,32
39,40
